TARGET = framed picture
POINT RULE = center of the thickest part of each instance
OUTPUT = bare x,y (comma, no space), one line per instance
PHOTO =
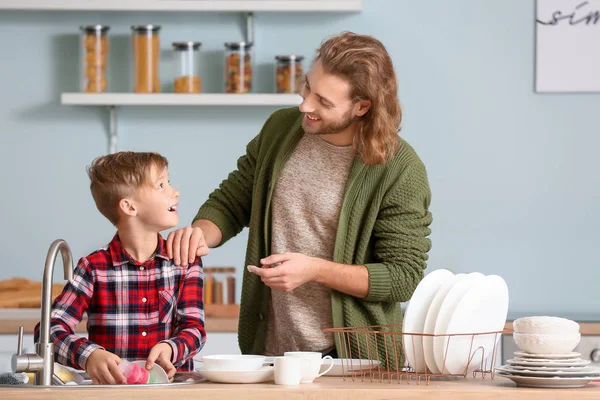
567,46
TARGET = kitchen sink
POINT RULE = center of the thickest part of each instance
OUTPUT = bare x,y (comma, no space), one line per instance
180,378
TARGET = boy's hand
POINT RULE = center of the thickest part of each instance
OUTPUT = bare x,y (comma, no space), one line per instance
161,354
103,367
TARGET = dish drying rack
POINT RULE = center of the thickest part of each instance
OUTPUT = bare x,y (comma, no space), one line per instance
376,353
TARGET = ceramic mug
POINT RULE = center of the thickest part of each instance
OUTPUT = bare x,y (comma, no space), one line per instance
316,360
290,370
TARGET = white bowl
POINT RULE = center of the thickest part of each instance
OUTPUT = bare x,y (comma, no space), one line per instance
546,325
233,362
539,343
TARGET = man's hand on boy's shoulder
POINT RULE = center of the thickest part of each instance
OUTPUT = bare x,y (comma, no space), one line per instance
161,354
181,242
103,367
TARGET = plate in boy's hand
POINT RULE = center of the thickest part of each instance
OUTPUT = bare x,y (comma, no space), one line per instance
157,373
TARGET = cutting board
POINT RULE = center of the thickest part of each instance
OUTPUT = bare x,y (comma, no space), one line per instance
24,293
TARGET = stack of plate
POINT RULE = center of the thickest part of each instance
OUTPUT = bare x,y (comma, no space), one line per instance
549,370
445,304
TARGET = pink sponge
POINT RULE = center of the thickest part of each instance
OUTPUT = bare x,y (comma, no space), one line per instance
135,374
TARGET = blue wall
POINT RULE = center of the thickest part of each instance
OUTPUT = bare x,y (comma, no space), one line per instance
513,173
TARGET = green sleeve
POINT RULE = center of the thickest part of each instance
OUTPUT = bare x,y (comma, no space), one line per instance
229,205
401,238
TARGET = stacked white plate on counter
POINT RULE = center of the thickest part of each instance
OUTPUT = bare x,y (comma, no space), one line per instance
547,359
445,303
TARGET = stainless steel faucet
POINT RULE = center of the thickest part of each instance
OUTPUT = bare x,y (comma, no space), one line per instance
42,363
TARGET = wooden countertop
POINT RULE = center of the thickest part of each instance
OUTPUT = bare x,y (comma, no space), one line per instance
330,388
12,318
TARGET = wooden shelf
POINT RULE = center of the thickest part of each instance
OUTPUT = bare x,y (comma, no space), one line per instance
176,99
183,5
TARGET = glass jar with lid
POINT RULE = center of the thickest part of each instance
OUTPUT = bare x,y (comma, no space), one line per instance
146,58
188,79
94,47
288,69
238,67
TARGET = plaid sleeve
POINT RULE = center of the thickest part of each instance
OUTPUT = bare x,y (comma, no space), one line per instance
67,311
189,335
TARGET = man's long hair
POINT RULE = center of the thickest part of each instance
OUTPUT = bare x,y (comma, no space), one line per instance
364,62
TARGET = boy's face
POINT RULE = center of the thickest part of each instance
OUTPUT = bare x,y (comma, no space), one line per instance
157,202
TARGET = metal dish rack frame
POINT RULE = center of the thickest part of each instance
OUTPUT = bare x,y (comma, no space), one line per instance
385,344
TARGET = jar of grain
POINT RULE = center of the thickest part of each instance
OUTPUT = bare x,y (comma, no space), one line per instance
146,58
288,69
188,79
94,48
238,67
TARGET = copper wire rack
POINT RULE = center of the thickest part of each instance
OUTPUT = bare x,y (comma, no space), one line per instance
377,353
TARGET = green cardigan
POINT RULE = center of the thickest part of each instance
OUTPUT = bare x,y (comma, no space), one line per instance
383,224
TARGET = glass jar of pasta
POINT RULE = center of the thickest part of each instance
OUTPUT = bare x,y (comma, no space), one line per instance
146,58
288,69
188,78
238,67
94,48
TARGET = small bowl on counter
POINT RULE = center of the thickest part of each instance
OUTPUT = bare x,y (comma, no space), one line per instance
542,343
545,325
546,335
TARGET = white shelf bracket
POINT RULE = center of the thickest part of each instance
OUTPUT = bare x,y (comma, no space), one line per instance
112,129
249,37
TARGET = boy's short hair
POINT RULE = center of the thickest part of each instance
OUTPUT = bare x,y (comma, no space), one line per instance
116,176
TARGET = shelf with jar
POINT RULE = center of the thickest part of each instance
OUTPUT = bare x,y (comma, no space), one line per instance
238,90
184,5
219,292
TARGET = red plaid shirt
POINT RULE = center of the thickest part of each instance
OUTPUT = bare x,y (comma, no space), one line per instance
131,306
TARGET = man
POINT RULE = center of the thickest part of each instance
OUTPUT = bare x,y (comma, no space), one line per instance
336,204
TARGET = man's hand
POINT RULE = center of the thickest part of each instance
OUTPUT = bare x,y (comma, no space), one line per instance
285,272
161,354
103,367
183,245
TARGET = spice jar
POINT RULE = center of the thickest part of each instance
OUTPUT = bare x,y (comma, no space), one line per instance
94,58
238,67
288,69
146,57
188,79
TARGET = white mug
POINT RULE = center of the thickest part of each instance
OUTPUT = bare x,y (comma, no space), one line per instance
290,370
314,357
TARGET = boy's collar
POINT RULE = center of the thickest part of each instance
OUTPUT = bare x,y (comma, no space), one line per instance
120,256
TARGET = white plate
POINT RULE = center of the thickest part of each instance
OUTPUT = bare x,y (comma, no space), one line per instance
157,373
265,374
530,381
346,366
451,301
483,308
522,354
548,363
545,368
595,372
415,314
431,317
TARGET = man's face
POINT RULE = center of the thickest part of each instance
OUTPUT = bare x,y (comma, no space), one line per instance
327,106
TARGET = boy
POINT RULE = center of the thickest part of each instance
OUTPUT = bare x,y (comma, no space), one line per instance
139,305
